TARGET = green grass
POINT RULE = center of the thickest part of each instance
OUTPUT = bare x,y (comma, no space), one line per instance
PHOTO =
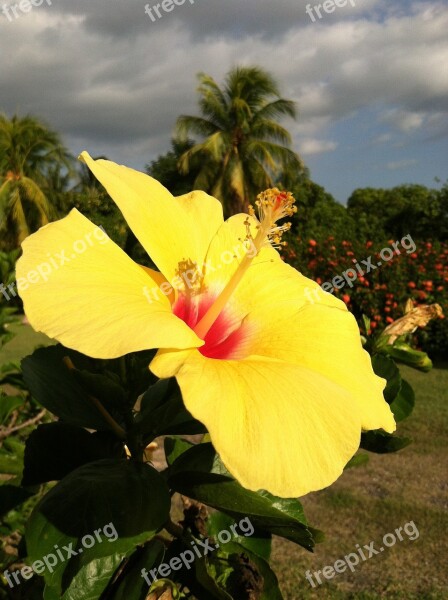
375,499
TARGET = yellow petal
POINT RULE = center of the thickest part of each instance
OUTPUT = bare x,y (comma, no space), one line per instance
325,340
170,229
168,361
276,426
80,288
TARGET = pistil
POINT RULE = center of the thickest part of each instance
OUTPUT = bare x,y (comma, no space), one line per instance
272,205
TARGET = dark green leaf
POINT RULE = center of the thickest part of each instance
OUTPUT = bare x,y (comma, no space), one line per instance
56,388
109,392
156,395
132,585
174,447
130,498
383,443
10,497
386,368
163,412
53,450
259,543
138,375
199,474
403,404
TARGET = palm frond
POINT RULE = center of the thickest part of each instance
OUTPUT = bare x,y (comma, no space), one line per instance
241,144
187,125
269,130
277,108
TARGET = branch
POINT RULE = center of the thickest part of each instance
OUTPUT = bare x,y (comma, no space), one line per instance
173,529
6,432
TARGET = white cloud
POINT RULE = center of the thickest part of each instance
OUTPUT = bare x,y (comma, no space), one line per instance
313,146
404,120
401,164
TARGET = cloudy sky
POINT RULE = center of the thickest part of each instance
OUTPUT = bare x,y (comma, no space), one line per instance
370,80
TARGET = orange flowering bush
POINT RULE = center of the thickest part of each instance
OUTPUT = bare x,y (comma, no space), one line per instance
381,291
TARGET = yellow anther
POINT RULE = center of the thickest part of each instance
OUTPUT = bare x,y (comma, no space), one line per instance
272,206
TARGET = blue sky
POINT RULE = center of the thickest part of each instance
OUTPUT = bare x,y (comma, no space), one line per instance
371,155
370,80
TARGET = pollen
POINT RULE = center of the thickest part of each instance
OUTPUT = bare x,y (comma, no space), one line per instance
190,277
271,206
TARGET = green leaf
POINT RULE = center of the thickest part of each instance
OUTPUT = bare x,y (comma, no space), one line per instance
200,474
11,457
403,404
109,392
409,356
51,593
11,373
383,443
8,404
130,498
163,412
132,585
93,578
90,581
56,388
357,461
10,497
213,575
138,376
174,447
156,395
386,368
183,574
15,445
366,323
258,543
53,450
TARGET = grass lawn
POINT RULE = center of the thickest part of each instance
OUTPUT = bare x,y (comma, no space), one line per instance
365,504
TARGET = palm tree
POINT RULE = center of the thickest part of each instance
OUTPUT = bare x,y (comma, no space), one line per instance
29,153
244,149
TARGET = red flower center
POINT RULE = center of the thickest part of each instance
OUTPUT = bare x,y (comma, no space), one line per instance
225,338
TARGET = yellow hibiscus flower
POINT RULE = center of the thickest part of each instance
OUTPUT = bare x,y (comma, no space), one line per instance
282,383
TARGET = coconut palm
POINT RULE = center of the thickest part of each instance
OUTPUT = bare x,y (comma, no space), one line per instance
243,148
29,152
